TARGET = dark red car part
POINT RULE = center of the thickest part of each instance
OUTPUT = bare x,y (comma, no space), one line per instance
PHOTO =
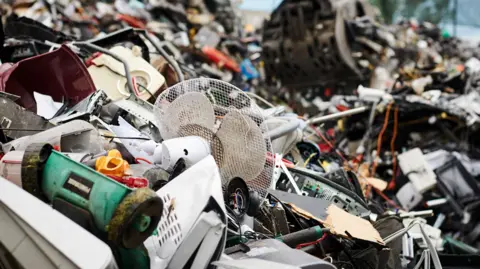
59,74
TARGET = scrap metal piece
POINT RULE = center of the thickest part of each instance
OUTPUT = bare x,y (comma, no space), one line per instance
305,42
265,220
88,106
316,207
141,116
21,27
74,136
258,227
122,36
276,251
280,219
338,115
320,188
14,119
17,50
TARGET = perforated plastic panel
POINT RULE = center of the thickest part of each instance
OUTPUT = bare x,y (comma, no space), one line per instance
227,118
169,227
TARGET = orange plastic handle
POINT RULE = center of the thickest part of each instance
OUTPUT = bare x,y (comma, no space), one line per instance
113,164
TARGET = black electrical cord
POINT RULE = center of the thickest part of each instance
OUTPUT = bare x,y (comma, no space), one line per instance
147,90
248,234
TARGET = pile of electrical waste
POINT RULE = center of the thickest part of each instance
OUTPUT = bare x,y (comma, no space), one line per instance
165,134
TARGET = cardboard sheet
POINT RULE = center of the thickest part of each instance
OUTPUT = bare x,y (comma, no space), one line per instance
347,225
378,184
303,213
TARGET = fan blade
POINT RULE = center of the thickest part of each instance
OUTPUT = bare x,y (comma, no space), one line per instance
192,108
244,148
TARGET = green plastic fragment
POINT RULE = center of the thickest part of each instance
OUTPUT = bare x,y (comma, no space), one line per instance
446,34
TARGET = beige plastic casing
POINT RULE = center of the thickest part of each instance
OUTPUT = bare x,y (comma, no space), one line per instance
113,84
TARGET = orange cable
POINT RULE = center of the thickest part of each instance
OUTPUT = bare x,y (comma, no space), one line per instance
392,148
380,136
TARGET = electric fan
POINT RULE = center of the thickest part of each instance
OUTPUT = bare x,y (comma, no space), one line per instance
232,126
231,123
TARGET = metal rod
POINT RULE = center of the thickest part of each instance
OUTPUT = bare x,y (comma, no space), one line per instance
419,263
284,129
415,214
437,202
335,116
431,247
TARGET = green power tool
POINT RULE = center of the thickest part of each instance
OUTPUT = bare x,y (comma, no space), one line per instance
124,217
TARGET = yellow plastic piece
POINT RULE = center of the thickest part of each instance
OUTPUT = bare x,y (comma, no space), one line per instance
113,164
326,165
340,125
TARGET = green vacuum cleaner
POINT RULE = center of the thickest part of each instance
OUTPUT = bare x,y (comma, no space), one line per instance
122,216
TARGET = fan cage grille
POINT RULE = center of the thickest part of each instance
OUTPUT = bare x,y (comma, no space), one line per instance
224,98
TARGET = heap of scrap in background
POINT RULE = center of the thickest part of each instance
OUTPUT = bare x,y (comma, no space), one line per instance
165,134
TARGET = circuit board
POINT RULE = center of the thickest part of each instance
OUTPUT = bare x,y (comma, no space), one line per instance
316,186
